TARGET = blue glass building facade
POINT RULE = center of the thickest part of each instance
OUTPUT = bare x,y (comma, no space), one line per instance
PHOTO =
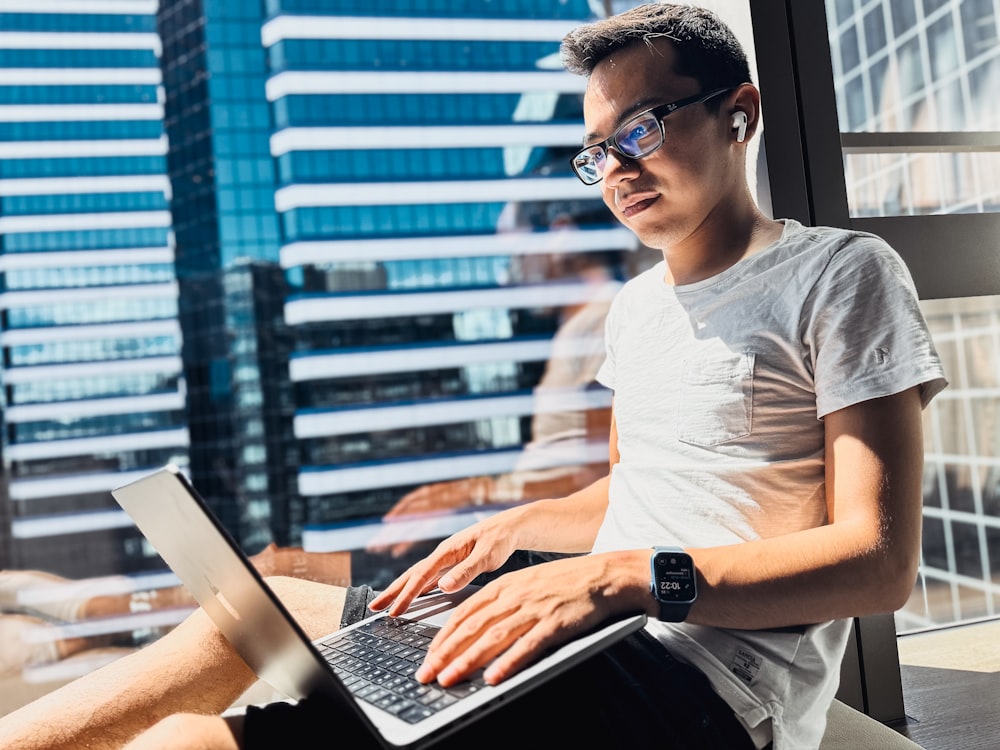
422,168
298,245
231,287
93,384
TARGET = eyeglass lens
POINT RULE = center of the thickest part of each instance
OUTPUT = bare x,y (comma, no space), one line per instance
637,138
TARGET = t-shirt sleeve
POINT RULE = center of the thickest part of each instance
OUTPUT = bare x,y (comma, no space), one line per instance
866,334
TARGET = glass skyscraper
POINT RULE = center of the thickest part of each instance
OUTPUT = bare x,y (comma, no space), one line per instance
314,256
93,385
422,170
231,288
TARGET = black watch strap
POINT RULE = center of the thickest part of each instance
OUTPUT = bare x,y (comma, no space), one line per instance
672,612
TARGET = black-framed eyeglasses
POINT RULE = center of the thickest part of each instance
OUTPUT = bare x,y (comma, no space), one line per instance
638,137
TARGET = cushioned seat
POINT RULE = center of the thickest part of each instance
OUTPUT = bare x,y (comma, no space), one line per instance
848,729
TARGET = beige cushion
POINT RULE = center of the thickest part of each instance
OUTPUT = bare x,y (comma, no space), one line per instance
848,729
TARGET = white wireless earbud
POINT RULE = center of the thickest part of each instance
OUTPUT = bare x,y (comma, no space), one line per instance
740,123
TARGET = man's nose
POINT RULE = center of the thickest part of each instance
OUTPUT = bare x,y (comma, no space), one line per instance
618,167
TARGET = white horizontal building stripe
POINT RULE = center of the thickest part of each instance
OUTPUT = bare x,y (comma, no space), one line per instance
98,446
140,183
352,307
380,362
77,523
421,471
90,628
313,483
80,76
79,40
37,298
83,222
97,332
102,7
94,407
165,365
385,27
351,421
420,193
82,258
77,484
443,136
456,246
405,82
79,112
63,149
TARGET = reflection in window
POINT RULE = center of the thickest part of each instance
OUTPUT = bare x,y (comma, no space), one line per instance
960,568
921,184
928,75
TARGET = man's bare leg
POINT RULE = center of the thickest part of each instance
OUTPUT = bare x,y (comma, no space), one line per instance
192,669
192,732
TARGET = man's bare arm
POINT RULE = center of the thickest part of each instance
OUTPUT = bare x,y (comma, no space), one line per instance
863,561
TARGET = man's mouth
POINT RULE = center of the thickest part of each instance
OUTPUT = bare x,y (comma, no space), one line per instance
633,206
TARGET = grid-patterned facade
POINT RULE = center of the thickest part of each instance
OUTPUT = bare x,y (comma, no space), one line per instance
931,66
422,164
93,385
231,287
934,67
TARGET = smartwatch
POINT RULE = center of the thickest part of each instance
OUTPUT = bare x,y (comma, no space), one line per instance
672,582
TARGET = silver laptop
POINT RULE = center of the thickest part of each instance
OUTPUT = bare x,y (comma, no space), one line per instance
379,690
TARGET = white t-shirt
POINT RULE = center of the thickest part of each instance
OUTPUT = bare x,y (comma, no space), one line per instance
720,388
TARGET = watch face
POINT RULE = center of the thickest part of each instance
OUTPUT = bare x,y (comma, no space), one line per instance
673,573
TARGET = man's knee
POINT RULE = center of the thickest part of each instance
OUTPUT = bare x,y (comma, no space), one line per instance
317,607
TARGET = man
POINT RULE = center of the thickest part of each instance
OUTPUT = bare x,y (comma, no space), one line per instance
768,380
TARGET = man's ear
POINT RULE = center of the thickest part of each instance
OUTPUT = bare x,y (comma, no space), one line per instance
746,112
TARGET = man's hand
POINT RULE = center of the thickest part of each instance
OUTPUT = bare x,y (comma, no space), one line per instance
516,618
480,548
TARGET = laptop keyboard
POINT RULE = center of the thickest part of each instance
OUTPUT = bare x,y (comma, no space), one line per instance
377,661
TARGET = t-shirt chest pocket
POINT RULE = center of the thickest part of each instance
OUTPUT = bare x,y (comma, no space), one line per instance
716,399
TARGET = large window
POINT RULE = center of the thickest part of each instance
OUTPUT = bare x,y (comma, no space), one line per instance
425,345
915,93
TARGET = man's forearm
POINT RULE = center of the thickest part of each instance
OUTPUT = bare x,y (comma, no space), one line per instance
807,577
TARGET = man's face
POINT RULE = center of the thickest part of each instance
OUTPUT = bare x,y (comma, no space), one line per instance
663,197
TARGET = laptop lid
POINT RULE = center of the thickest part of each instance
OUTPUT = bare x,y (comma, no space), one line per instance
169,512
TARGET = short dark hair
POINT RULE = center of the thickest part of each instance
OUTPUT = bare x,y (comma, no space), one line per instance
707,50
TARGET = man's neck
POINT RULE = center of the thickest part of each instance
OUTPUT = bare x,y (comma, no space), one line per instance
719,243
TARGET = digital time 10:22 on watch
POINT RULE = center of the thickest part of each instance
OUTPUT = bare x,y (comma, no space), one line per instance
672,582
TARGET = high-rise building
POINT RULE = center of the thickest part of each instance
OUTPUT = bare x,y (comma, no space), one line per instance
422,174
231,287
327,256
93,386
